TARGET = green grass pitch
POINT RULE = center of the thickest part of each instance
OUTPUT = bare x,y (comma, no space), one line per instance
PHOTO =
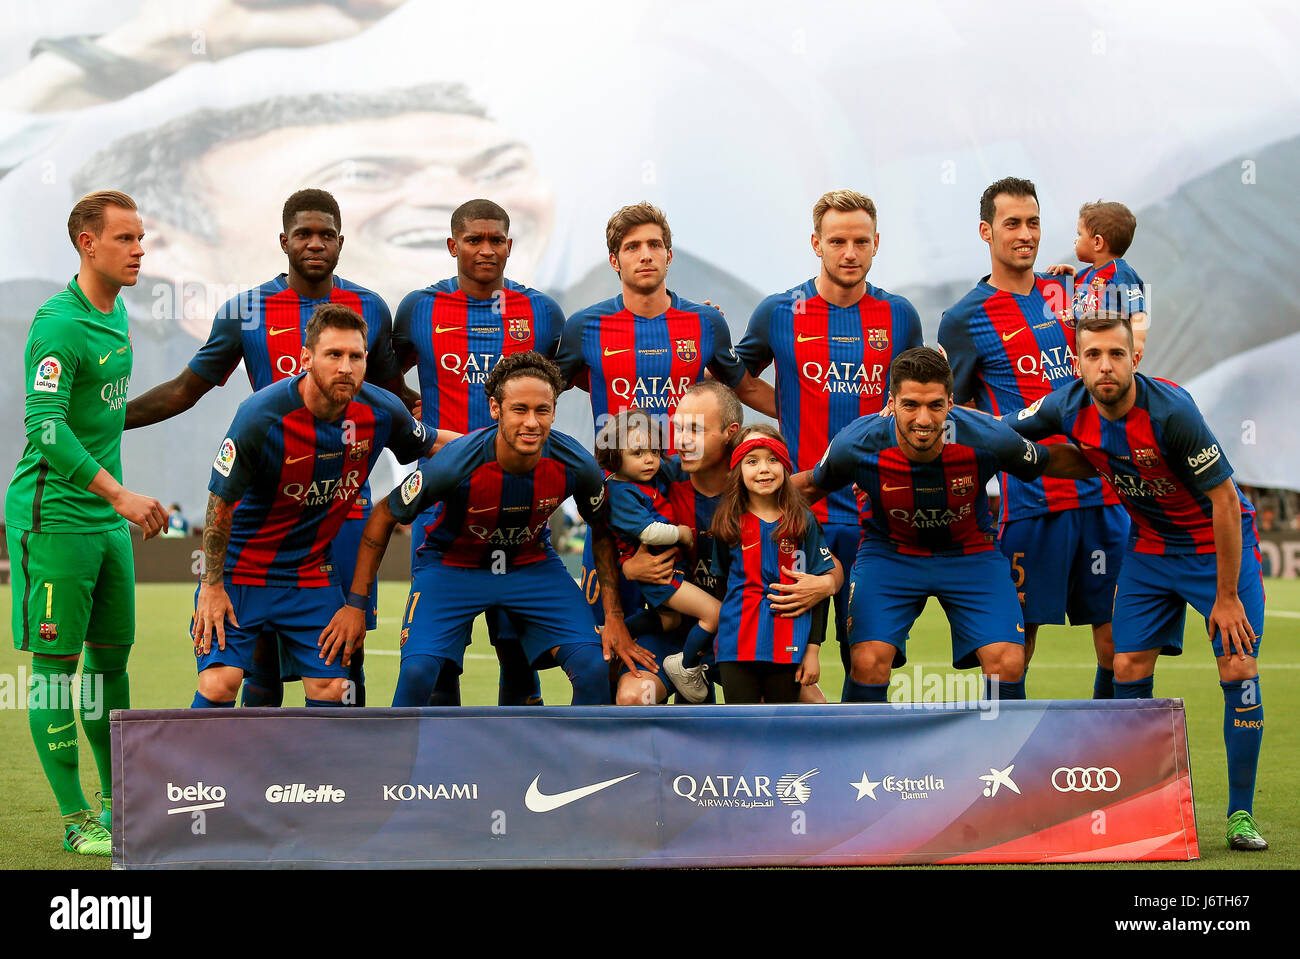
162,676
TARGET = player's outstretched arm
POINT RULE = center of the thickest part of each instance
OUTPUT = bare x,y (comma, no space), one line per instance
1066,462
614,637
166,399
757,395
346,630
213,606
144,511
803,482
1228,615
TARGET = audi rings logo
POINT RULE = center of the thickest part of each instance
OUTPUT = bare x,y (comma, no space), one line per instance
1078,779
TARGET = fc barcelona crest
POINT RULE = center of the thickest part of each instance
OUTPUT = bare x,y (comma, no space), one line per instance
686,350
547,505
518,328
358,451
1146,457
786,545
962,485
878,339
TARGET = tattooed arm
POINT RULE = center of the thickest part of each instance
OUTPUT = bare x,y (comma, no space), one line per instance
347,628
614,636
213,605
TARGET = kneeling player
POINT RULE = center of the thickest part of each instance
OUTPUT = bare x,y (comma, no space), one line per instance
497,487
929,532
297,455
1193,538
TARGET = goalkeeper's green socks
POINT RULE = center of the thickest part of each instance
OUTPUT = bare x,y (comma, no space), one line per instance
104,687
54,730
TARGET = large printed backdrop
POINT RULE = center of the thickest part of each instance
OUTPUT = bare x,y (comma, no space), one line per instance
733,118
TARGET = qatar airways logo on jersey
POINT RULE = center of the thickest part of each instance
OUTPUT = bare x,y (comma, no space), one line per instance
847,377
1051,364
651,392
114,393
1131,486
507,535
471,368
931,518
322,492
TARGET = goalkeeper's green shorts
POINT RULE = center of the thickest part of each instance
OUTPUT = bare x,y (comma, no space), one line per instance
71,588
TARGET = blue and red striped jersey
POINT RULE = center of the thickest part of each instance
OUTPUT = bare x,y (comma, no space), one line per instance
456,340
626,360
633,507
748,631
1115,286
1006,351
485,515
295,478
832,366
264,327
937,508
1161,457
689,507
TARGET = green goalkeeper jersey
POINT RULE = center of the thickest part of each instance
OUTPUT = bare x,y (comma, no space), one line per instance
78,365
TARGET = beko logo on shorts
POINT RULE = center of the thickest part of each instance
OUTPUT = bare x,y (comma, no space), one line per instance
199,796
299,793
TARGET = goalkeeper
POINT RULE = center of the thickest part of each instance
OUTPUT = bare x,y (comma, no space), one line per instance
66,512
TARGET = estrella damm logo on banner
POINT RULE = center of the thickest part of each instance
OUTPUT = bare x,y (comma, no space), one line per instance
878,339
686,350
962,485
1146,457
518,328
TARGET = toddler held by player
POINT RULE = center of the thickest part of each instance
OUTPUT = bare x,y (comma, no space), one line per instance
773,538
627,448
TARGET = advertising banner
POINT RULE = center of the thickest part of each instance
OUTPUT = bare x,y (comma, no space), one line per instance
1038,781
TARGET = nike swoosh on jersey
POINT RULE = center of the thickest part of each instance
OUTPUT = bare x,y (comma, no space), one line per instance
1007,336
445,329
51,729
104,359
804,339
480,509
284,329
297,459
615,352
1246,709
892,489
538,801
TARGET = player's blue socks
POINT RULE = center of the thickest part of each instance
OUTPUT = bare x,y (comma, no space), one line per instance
1138,689
262,685
1243,731
855,692
253,696
1006,691
202,702
518,686
446,691
585,665
1103,684
322,702
416,679
355,694
698,642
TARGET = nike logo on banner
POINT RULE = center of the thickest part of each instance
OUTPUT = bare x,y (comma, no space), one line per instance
284,329
892,489
616,352
1007,336
296,459
538,801
104,359
445,329
804,339
51,729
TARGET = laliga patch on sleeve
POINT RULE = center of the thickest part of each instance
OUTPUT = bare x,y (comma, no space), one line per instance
225,460
411,487
1030,410
47,375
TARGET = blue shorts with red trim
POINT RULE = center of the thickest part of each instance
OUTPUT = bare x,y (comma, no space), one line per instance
298,614
888,590
1154,593
541,598
1067,563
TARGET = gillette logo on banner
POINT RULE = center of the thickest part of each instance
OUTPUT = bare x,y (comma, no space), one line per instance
299,793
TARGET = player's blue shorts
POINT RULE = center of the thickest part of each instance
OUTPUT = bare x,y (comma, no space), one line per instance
1067,563
658,595
298,614
843,540
888,591
1154,592
540,597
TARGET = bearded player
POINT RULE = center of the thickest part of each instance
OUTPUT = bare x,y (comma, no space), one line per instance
265,328
66,512
1193,539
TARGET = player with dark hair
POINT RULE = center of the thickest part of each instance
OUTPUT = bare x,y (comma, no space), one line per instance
1010,342
1193,539
264,328
296,458
496,488
832,340
456,331
924,468
66,512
